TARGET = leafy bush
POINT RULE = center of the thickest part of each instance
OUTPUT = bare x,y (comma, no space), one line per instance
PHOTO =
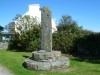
63,41
26,41
27,36
68,32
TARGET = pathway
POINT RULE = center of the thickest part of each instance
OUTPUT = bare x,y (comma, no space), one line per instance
4,71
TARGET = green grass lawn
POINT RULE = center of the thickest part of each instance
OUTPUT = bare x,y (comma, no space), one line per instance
14,60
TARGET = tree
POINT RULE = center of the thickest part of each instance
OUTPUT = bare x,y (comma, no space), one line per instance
1,28
24,23
65,19
68,34
17,17
10,26
66,23
26,34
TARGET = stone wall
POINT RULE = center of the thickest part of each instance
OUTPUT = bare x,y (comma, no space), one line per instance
3,45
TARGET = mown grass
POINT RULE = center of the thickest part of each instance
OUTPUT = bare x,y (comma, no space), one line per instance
14,60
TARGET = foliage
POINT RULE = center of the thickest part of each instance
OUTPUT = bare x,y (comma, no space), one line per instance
63,42
66,23
67,39
70,36
25,23
68,33
27,36
17,17
10,26
91,43
28,41
1,28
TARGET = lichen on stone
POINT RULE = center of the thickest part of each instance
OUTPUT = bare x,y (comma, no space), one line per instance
46,9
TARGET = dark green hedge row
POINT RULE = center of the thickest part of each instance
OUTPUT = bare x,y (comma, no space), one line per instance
91,43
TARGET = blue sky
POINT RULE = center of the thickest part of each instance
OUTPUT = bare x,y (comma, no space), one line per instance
86,12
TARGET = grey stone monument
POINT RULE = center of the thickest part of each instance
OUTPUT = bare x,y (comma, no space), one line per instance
46,29
46,58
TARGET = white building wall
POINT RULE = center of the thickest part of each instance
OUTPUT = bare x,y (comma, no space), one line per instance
34,11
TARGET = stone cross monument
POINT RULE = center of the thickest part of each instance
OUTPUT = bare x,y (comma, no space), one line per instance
46,29
46,59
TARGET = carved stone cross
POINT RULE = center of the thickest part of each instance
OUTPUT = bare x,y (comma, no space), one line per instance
46,29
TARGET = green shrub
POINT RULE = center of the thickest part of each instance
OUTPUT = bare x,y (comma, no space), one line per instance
63,42
26,41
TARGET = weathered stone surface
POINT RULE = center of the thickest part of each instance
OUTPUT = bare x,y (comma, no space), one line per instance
62,62
45,56
46,29
3,45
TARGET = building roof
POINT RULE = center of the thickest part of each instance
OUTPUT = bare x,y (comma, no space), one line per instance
6,33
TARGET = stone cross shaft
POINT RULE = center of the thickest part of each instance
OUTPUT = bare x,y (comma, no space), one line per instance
46,29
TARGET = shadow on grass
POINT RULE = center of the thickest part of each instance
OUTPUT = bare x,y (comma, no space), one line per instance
26,56
90,59
24,65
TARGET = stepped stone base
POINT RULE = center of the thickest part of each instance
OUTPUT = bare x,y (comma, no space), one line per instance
62,62
42,60
45,56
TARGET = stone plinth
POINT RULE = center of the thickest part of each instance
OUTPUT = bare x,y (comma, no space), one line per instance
62,62
46,56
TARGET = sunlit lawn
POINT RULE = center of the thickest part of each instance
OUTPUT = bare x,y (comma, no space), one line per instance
13,61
